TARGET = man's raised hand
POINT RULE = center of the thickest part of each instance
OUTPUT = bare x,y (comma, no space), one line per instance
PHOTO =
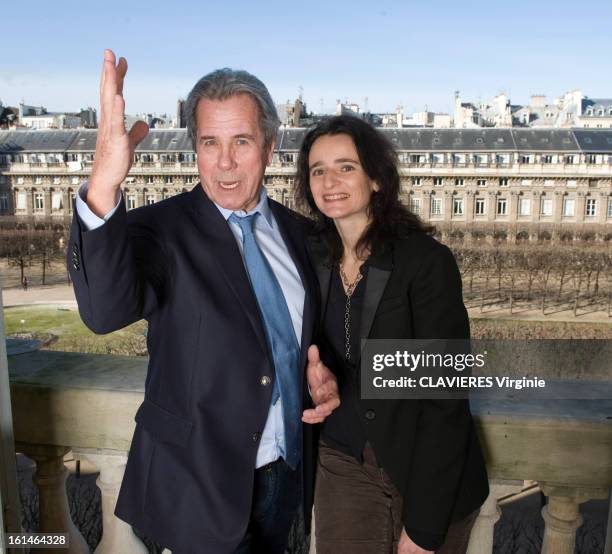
114,146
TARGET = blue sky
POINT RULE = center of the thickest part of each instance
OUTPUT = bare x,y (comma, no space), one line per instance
409,53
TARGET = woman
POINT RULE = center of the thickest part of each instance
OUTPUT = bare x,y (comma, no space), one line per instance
402,476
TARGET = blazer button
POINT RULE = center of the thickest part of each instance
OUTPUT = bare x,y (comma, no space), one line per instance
256,436
370,415
265,381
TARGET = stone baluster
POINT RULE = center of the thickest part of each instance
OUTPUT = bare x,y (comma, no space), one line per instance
313,548
481,539
117,537
50,478
562,517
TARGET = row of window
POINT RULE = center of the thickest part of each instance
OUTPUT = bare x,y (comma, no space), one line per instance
57,201
436,209
501,181
501,206
502,159
290,158
148,179
48,158
601,112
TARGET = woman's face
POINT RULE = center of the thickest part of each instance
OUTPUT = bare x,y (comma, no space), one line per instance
339,185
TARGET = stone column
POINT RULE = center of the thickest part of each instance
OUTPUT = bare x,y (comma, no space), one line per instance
602,200
492,206
562,518
29,200
536,198
426,209
47,192
118,537
580,206
513,200
66,202
469,207
447,207
50,478
481,539
557,206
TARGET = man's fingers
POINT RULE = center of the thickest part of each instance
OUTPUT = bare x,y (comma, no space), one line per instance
109,87
137,133
102,73
313,354
121,71
327,407
117,118
310,416
327,390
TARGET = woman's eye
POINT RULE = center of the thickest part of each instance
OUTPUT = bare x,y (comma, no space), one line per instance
317,172
347,168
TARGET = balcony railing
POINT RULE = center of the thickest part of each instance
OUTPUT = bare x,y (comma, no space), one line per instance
86,404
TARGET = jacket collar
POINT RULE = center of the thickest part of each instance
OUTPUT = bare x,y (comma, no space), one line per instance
380,265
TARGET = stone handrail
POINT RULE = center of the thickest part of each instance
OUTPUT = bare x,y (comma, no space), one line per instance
86,403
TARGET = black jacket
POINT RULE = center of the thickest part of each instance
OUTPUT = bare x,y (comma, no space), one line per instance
429,448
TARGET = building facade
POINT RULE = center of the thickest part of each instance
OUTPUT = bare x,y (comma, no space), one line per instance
511,184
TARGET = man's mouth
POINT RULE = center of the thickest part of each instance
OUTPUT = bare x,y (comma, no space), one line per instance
333,197
228,185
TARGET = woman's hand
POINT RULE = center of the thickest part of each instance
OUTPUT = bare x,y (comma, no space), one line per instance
406,546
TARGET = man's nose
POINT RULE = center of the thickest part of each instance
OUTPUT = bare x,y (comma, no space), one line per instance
226,158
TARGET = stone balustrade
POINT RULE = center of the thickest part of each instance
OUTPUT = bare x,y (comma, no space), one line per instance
86,403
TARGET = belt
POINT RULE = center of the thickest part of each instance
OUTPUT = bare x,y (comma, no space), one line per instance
270,466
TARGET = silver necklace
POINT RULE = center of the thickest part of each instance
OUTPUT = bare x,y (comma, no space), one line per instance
350,289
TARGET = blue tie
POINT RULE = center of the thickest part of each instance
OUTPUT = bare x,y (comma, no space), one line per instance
280,336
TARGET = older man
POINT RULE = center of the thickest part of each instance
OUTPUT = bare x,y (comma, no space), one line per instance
219,458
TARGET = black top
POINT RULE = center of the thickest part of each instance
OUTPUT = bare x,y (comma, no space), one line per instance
343,429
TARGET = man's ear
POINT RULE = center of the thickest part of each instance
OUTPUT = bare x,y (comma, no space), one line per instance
270,153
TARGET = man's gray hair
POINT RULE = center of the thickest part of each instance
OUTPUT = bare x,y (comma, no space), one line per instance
225,83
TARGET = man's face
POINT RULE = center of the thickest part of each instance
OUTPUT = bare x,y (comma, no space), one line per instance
230,149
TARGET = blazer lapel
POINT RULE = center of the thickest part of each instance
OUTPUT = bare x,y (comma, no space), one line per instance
379,270
227,256
318,254
380,266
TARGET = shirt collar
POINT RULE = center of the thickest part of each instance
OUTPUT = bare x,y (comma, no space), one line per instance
263,207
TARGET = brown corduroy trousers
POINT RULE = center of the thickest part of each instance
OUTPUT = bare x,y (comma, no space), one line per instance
358,509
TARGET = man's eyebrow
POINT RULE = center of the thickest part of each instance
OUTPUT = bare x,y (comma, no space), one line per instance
338,161
240,135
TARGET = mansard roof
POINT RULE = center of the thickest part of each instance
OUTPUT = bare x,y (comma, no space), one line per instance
290,139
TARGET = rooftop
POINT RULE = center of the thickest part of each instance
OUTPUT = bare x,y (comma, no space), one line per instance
407,140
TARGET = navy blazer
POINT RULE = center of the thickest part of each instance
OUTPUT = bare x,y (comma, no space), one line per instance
189,477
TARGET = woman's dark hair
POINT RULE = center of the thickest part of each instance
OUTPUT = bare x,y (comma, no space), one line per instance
389,217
